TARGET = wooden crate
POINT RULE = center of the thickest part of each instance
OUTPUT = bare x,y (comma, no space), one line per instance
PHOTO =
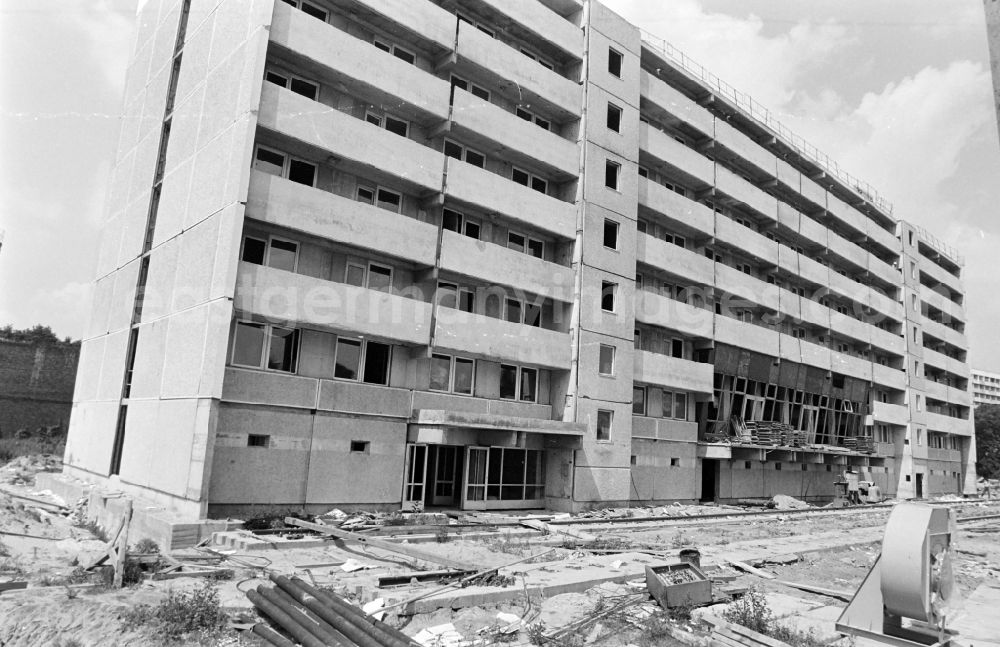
693,589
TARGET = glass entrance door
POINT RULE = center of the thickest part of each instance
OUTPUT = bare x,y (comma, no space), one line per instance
447,478
474,492
415,476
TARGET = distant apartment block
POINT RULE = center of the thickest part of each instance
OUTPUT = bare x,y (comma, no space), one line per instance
488,254
985,387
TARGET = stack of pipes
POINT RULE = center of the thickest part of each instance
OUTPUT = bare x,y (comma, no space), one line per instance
317,619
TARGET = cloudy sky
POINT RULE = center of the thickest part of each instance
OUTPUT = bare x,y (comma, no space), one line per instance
898,91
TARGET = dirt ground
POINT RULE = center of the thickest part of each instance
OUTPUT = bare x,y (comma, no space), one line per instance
45,546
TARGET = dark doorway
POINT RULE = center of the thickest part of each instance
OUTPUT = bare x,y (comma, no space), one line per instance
443,480
920,486
709,479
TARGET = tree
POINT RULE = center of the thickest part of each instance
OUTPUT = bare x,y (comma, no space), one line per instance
988,440
37,334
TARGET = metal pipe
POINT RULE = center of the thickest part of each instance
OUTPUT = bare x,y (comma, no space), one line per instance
323,629
270,636
287,622
395,637
362,634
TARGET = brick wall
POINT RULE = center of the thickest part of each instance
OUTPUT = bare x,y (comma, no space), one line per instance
36,384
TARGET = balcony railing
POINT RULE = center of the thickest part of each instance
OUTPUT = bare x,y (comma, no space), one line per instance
672,372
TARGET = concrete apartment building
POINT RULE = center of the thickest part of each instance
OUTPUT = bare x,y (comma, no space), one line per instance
985,387
493,254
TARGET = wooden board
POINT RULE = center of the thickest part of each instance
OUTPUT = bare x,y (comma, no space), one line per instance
750,569
556,530
392,547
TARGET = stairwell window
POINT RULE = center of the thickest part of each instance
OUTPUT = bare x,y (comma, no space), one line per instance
615,62
612,171
460,152
609,293
604,421
610,234
614,118
606,360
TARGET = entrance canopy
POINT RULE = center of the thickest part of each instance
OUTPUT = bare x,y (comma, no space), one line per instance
462,428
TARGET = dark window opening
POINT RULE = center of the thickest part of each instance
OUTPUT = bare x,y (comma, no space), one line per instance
258,440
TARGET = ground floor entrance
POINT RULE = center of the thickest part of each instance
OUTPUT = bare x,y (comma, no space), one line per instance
473,477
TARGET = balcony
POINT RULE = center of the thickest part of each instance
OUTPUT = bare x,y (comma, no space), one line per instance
949,455
956,367
662,200
888,377
365,70
735,282
543,23
498,265
882,236
810,354
944,333
745,148
847,215
739,189
847,251
812,191
295,298
672,372
536,84
656,310
326,215
487,126
851,365
888,341
373,151
946,393
498,340
668,150
948,425
883,270
495,193
745,239
942,303
941,275
891,414
744,335
688,265
668,103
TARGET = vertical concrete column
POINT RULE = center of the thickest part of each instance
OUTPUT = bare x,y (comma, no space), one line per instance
913,458
601,469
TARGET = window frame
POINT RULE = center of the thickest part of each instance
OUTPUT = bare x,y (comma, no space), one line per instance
617,231
368,274
639,389
609,166
288,78
464,157
452,360
267,252
519,395
600,359
610,415
605,285
614,109
531,179
615,56
266,347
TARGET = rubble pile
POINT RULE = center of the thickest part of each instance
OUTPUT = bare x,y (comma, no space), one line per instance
22,470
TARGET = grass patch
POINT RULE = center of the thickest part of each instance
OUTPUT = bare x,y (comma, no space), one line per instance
11,448
752,611
181,615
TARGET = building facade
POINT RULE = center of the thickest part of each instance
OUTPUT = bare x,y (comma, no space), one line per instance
485,254
985,387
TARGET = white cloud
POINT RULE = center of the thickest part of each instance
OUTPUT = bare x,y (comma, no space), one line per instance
108,32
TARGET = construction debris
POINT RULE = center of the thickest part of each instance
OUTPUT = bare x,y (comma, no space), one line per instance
785,502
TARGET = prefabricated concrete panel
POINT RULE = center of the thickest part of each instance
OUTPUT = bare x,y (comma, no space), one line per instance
618,324
88,372
90,449
151,348
338,475
624,141
614,387
619,261
602,485
270,388
352,397
653,476
621,200
113,366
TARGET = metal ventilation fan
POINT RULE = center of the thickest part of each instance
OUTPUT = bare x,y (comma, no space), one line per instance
904,598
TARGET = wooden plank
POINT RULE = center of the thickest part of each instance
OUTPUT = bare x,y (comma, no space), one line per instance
556,530
750,569
392,547
57,506
224,574
846,596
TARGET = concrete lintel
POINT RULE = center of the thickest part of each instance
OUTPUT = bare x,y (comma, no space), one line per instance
444,418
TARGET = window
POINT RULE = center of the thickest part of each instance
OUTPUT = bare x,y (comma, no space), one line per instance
380,197
523,177
642,226
524,244
263,346
518,383
396,51
541,61
611,172
608,291
458,223
478,25
275,163
644,172
390,123
308,8
675,462
614,62
513,312
638,401
674,405
379,277
459,152
378,356
604,419
610,234
527,115
677,348
452,374
606,360
348,359
296,84
360,447
258,440
275,252
451,296
799,333
476,90
355,275
614,118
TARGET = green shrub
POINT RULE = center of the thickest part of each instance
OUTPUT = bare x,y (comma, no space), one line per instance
182,613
